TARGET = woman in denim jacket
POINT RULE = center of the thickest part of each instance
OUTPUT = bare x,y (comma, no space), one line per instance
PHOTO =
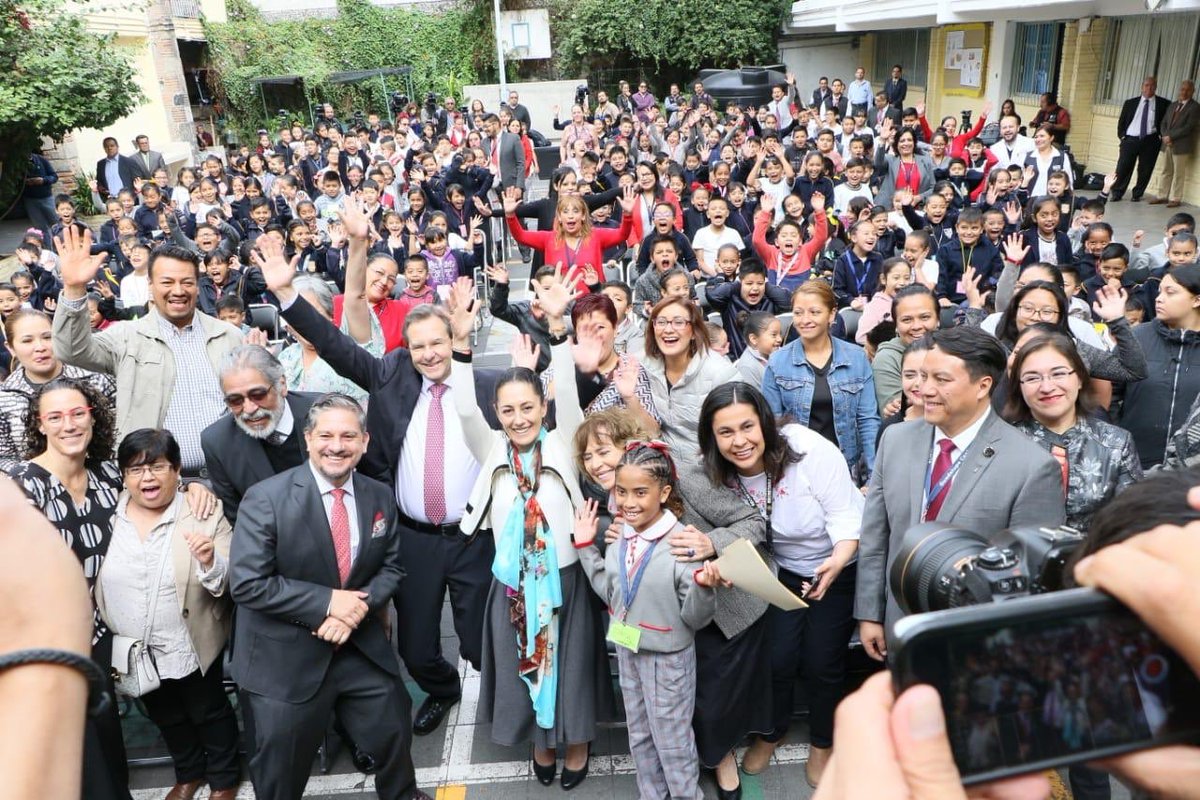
823,382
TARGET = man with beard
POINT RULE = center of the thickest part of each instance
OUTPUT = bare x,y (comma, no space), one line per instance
260,436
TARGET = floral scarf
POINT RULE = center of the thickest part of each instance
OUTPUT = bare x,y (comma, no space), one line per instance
527,564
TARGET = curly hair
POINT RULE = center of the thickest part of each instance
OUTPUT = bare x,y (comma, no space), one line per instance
103,424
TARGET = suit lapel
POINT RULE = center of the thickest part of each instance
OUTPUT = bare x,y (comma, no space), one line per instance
976,463
313,519
366,517
916,474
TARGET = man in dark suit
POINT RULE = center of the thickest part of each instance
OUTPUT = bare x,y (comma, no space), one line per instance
508,154
980,473
1139,128
114,172
146,161
418,448
261,435
883,110
1178,144
314,560
896,88
822,93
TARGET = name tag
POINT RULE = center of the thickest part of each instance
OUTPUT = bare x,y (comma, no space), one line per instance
623,635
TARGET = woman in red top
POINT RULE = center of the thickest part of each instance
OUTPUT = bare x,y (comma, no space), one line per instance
522,130
572,241
649,194
958,143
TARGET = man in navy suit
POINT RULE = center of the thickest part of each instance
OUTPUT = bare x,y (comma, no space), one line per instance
314,561
114,172
896,88
1139,129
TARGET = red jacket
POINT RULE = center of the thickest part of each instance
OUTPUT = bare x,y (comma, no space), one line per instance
639,230
590,252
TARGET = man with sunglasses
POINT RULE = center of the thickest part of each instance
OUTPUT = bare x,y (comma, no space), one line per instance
165,364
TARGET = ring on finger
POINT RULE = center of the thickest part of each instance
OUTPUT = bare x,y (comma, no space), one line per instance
691,553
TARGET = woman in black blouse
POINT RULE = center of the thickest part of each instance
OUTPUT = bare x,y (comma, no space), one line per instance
69,476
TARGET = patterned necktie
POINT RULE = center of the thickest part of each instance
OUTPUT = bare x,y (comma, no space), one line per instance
339,526
940,467
1145,129
435,443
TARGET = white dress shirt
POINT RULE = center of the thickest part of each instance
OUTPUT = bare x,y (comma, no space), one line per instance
459,467
1145,107
964,439
326,489
130,569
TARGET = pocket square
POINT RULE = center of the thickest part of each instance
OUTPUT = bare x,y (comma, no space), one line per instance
379,526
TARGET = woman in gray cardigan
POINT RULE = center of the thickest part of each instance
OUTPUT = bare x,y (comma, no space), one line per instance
898,164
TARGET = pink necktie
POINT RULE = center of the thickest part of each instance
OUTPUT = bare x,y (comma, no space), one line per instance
940,467
435,442
339,526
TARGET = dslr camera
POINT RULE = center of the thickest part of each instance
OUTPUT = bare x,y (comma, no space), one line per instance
581,94
939,566
398,102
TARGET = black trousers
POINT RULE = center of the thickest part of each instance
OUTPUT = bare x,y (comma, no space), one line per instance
1140,150
105,770
811,642
199,727
372,704
435,563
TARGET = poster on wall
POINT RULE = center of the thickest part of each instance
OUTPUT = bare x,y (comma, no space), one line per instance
964,59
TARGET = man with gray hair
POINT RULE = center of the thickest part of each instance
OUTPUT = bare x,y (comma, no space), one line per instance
260,436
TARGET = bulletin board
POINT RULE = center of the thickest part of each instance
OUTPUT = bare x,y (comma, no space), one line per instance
963,70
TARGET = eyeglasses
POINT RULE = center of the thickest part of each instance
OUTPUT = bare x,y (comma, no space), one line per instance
76,415
157,469
678,323
255,395
1056,376
1041,313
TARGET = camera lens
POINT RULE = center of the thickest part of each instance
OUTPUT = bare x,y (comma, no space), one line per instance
928,564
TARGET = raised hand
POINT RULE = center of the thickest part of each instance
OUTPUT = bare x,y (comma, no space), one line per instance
905,196
483,208
1138,235
628,199
256,336
584,530
555,298
269,257
588,349
512,198
1012,212
1110,303
817,201
986,111
626,377
463,309
1015,249
920,107
354,219
524,352
497,273
77,266
1109,180
971,280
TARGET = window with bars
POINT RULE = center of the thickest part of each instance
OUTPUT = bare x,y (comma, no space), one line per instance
1035,58
1163,45
909,49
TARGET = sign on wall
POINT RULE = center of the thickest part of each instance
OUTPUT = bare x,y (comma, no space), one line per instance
965,59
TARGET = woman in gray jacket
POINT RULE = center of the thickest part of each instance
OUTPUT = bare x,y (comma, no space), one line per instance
899,166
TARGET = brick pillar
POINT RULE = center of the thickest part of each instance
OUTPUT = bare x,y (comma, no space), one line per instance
64,156
164,49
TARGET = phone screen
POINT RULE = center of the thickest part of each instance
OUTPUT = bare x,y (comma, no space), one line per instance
1048,689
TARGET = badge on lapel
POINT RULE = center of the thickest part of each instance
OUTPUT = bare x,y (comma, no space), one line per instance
379,526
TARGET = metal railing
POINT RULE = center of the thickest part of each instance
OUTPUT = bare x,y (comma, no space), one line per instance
185,9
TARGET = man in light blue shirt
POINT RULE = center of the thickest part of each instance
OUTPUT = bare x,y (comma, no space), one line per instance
114,172
859,92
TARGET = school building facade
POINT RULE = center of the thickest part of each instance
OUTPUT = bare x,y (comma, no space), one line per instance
1092,53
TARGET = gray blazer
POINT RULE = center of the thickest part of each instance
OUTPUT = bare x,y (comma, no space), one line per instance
140,168
1181,129
887,167
1006,480
722,514
512,161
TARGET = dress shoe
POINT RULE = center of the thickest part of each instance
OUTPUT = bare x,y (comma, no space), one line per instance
419,795
184,791
364,762
1158,201
1174,204
223,794
573,777
818,759
729,794
431,714
544,773
1115,197
1137,198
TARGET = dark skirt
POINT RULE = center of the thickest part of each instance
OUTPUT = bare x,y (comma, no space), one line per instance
585,690
733,689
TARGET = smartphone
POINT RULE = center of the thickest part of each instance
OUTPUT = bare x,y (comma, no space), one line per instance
1048,680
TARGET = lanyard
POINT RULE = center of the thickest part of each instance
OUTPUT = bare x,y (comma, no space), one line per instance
765,513
628,591
859,280
930,493
966,254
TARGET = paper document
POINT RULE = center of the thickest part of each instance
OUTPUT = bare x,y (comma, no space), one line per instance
742,566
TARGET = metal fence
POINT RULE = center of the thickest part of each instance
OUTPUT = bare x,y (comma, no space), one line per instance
185,9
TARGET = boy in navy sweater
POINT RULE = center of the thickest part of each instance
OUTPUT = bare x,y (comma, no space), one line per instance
968,247
735,299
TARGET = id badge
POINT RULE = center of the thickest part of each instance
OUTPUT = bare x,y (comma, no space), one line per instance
623,635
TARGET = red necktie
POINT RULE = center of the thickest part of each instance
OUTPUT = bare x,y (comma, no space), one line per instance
940,467
339,526
435,442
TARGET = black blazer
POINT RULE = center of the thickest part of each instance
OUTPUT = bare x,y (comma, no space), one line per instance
1129,109
897,92
393,382
235,461
125,168
1062,246
282,571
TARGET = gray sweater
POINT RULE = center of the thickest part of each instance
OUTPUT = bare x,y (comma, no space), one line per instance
669,606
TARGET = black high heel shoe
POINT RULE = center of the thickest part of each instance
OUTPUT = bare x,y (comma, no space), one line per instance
573,777
729,794
544,774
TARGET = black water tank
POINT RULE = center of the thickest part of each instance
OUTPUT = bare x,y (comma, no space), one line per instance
744,85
